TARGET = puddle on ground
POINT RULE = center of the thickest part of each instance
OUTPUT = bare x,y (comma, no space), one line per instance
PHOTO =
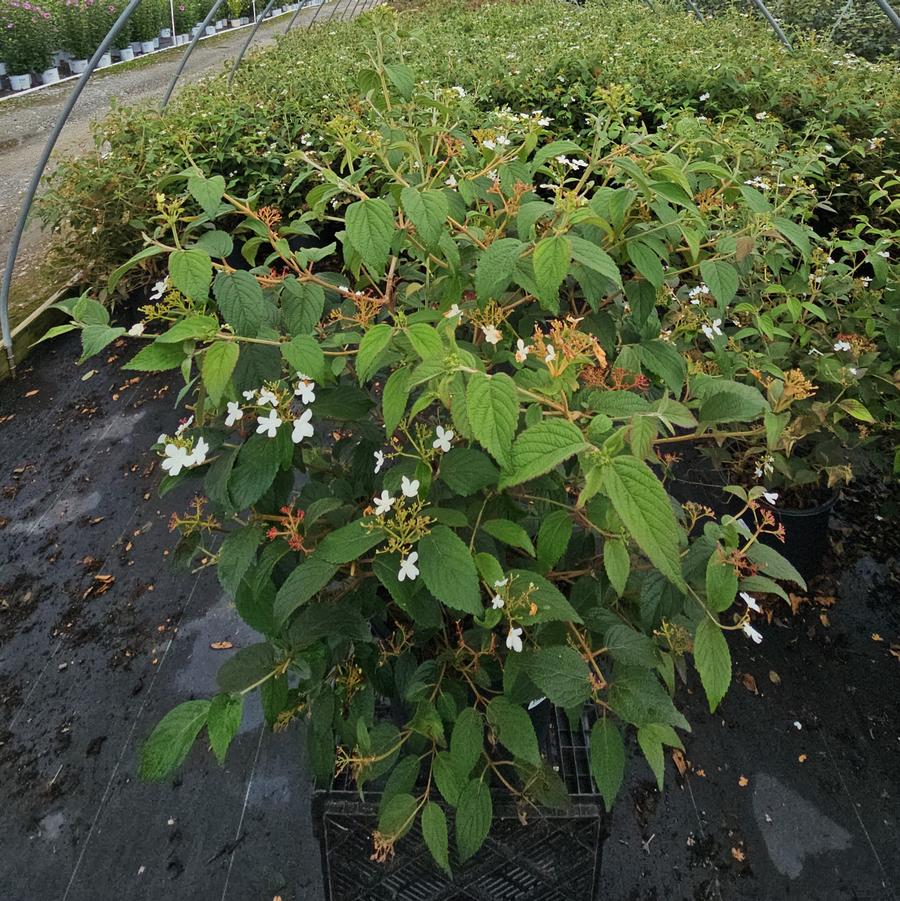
51,826
792,827
64,510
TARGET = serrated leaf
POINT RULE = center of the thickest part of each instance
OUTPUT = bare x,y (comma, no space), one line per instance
370,229
561,674
616,563
496,267
191,272
171,740
607,760
514,729
540,448
647,263
427,210
551,260
304,582
510,533
643,506
465,470
304,354
394,399
467,741
224,720
302,305
434,831
713,661
373,345
553,537
241,301
349,542
721,583
594,258
237,553
217,366
474,813
448,570
492,406
721,278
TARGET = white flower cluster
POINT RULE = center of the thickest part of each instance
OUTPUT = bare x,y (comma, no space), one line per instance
514,636
713,329
571,163
269,421
696,293
180,452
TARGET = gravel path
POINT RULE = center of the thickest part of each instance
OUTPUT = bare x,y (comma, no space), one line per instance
26,122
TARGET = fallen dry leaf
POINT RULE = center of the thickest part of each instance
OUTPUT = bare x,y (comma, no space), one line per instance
738,855
32,392
749,683
221,645
743,782
774,678
700,772
825,600
802,758
680,762
895,651
797,601
876,637
823,619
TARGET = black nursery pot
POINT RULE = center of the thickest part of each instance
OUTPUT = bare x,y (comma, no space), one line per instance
555,857
805,536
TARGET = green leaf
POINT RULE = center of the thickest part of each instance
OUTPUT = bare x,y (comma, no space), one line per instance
434,831
647,263
95,337
306,581
713,661
216,244
607,760
638,698
401,77
551,265
169,743
302,305
397,815
594,258
465,470
448,570
191,272
540,448
236,555
394,399
721,583
561,674
157,358
370,229
258,461
425,341
721,278
627,645
225,714
241,301
514,729
467,741
510,533
350,542
127,266
496,267
492,405
729,405
217,366
449,781
617,404
548,599
303,354
427,210
795,233
246,667
371,349
772,564
643,506
663,360
207,192
852,406
474,813
189,329
553,537
616,563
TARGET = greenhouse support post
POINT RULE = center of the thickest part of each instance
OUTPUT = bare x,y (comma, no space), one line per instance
187,53
773,22
172,19
61,120
890,12
248,42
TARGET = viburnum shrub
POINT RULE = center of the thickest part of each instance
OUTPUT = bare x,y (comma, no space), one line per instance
27,32
428,426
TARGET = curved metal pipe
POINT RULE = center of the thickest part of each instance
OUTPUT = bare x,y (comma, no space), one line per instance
250,37
61,120
773,22
312,22
187,53
890,12
695,10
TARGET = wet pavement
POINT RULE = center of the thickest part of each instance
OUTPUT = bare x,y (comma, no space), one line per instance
789,791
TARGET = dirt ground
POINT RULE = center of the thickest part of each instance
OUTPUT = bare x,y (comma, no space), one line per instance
790,791
26,122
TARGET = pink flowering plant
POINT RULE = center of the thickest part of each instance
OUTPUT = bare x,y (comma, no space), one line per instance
27,35
429,411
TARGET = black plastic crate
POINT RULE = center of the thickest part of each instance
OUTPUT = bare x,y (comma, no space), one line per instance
554,857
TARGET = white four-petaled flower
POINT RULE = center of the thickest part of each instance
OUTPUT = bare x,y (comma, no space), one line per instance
302,427
491,333
198,455
500,583
496,602
305,389
444,437
234,413
136,330
159,289
551,354
514,639
842,345
409,488
453,312
268,397
522,351
408,568
750,601
750,632
770,497
714,329
383,503
176,459
268,424
379,461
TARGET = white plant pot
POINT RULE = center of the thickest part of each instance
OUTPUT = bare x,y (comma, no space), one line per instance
20,82
77,66
195,31
180,39
147,47
49,76
126,54
234,23
245,20
210,29
156,43
135,47
2,69
55,59
104,61
165,32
